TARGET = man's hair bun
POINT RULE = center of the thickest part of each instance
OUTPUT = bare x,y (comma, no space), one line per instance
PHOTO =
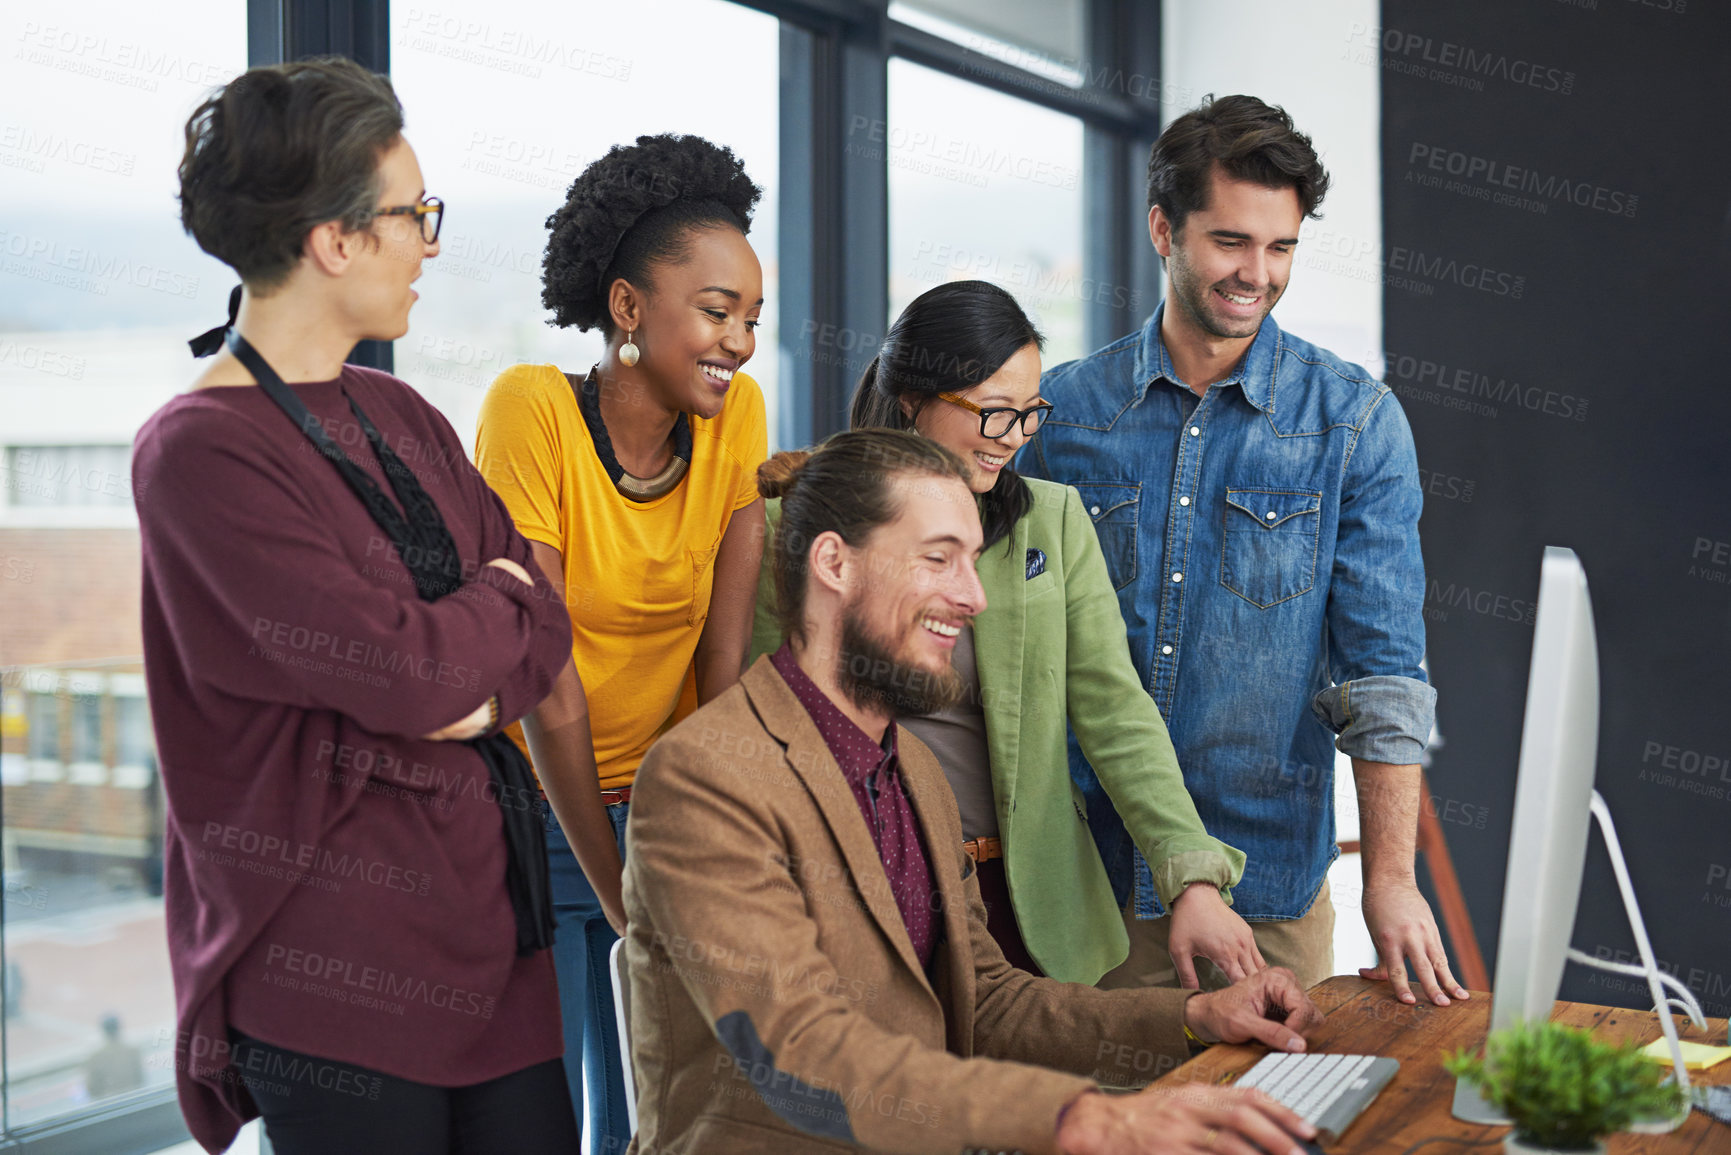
777,475
845,486
632,209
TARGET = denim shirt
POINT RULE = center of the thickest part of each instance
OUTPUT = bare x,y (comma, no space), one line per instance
1263,540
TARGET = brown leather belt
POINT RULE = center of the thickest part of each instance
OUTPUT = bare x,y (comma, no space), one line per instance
983,849
608,797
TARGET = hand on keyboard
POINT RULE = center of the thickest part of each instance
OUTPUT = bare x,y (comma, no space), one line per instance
1181,1119
1329,1091
1269,1007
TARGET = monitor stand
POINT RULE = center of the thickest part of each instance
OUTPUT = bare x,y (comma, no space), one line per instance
1470,1106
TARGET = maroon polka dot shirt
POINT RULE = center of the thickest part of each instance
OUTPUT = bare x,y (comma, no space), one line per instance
874,774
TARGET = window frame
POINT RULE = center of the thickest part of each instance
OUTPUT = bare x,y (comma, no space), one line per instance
834,239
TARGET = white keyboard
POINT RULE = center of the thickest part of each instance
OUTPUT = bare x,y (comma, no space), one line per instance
1329,1091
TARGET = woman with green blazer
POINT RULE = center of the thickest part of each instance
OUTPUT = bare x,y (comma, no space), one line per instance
961,366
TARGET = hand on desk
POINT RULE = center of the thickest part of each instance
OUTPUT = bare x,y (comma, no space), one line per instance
1202,924
1186,1119
1269,1008
1401,925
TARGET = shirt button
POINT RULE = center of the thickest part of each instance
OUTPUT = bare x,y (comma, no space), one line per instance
1271,515
1196,431
1165,649
1183,501
1094,510
1177,577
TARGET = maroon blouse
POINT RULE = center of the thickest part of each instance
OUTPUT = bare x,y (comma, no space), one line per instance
874,774
334,883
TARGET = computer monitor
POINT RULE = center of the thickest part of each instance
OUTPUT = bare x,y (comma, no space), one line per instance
1554,805
1553,797
1553,800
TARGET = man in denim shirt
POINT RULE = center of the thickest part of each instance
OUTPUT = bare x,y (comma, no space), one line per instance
1257,499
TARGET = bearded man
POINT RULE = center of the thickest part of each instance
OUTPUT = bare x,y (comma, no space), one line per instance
809,964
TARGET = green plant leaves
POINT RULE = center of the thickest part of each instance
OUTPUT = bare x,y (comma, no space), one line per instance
1562,1087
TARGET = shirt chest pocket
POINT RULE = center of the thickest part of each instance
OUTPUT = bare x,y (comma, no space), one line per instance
702,584
673,590
1268,543
1113,509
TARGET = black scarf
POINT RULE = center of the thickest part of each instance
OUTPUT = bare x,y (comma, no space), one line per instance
425,546
588,390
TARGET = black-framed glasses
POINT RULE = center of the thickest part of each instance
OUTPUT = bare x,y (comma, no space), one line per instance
430,212
999,420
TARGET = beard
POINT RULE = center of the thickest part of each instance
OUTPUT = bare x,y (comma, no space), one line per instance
1195,299
874,677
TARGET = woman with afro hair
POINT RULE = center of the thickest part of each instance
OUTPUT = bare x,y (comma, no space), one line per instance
635,483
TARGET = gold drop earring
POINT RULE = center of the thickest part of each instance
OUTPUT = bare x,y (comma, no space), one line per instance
629,352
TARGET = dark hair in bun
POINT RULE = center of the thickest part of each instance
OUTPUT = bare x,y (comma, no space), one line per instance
632,209
777,475
843,486
279,150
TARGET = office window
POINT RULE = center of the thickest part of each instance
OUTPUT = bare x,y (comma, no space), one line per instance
43,727
507,101
87,767
1040,36
985,186
99,290
134,747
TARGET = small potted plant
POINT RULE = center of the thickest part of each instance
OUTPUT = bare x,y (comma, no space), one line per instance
1564,1090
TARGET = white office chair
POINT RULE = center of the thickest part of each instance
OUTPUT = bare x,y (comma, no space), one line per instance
622,1018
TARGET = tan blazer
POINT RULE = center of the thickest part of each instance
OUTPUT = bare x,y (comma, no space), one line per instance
776,1001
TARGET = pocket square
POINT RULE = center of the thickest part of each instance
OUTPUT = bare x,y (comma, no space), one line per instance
1036,564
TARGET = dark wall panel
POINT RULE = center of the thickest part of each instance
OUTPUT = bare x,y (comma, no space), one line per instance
1557,296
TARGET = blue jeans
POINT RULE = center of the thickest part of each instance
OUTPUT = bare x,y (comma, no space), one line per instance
580,948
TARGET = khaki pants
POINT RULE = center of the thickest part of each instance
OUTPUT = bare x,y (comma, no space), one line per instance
1305,944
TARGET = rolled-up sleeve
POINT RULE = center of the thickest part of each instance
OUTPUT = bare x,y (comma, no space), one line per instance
1380,704
1384,719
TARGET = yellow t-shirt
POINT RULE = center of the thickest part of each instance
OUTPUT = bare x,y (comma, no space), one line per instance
637,575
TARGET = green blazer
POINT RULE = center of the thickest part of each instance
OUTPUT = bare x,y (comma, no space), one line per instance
1052,649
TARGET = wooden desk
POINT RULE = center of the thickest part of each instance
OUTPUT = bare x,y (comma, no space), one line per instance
1365,1019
